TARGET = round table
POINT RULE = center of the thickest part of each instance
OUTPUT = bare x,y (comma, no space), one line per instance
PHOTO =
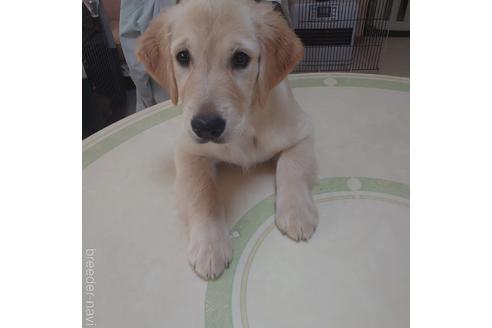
354,272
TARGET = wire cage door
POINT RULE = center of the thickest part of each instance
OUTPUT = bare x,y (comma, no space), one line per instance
340,35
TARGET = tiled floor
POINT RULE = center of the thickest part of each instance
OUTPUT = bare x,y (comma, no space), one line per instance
395,59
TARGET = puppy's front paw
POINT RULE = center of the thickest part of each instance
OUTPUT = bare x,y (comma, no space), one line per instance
297,219
209,251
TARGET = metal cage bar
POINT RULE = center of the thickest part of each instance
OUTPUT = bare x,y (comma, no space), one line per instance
340,35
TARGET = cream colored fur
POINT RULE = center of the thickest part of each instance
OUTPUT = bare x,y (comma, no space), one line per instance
264,121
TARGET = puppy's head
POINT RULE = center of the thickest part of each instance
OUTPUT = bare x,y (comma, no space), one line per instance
220,58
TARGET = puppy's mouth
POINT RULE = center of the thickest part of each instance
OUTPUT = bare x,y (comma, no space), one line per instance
199,140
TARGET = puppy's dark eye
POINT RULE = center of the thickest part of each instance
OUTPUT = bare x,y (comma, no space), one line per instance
183,57
239,60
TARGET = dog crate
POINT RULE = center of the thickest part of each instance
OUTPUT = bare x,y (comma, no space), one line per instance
340,35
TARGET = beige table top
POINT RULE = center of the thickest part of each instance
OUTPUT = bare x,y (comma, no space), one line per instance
353,273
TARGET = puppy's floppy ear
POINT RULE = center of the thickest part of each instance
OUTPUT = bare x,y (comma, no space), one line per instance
153,50
281,49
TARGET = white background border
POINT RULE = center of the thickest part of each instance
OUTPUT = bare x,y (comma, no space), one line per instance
451,167
41,165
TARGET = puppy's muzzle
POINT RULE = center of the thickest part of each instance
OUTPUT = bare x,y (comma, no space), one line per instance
208,127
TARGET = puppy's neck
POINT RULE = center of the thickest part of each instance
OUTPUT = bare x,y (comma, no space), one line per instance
280,100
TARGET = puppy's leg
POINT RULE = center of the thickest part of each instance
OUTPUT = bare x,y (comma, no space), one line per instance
209,248
296,213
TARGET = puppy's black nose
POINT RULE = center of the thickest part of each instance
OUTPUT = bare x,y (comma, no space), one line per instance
208,126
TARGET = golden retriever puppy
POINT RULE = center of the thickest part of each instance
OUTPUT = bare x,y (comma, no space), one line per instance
226,62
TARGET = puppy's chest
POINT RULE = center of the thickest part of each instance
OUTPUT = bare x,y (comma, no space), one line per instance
254,148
